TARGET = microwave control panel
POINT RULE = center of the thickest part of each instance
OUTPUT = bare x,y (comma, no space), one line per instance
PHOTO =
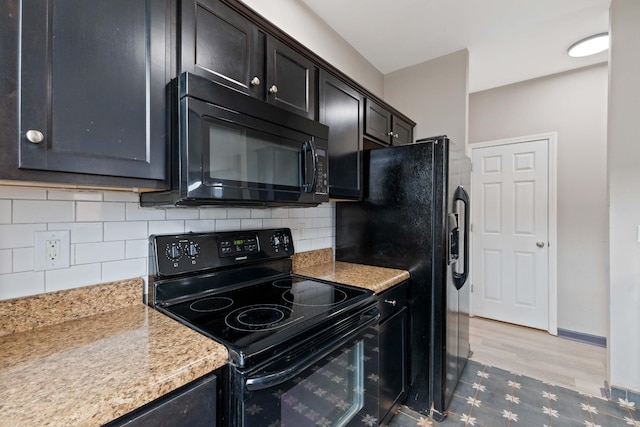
322,179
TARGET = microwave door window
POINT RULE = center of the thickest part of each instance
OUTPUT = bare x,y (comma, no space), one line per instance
244,156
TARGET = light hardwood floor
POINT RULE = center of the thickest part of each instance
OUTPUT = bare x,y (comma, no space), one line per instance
537,354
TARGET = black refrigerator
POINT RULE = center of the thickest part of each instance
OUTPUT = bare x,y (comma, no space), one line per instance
415,216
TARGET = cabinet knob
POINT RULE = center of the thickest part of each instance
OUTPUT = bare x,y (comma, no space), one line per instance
390,134
34,136
273,89
395,135
255,81
391,302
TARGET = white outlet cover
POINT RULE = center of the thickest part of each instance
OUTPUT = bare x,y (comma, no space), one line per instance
40,252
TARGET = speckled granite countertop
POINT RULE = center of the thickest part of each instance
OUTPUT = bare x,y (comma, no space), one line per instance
319,265
67,370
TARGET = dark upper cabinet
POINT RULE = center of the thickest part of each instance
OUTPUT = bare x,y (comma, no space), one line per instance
385,127
291,79
92,87
342,109
219,43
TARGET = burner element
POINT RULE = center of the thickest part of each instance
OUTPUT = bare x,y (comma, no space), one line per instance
312,297
259,317
282,283
211,304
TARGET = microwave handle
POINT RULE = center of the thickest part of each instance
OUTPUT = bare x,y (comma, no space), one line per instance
308,186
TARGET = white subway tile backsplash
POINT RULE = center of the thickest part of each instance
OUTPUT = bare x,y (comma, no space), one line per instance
93,196
21,284
5,211
73,277
109,233
238,213
250,224
213,213
260,213
87,253
200,226
99,211
23,193
81,232
272,223
166,227
6,261
121,196
19,235
136,248
126,230
137,213
227,224
23,259
33,211
126,269
183,213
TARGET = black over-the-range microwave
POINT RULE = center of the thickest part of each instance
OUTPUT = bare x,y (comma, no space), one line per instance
229,148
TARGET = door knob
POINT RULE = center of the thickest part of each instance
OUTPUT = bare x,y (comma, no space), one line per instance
540,244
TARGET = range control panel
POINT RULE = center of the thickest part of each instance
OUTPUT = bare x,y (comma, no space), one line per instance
192,252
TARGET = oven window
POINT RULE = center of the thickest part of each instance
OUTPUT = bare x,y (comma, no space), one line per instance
248,156
339,390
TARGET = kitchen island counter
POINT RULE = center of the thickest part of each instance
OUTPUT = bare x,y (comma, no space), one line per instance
87,371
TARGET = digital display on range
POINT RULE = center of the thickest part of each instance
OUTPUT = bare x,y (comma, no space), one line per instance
238,246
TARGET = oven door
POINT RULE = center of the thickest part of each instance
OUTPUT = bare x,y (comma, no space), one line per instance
333,383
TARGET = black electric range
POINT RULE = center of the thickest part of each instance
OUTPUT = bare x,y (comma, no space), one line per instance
238,288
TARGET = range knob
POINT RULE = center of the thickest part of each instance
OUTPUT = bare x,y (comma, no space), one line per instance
193,250
275,240
173,252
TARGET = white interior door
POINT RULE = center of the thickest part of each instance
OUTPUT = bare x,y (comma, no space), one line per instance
510,256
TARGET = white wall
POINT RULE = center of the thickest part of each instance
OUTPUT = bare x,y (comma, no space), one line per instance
573,104
109,233
624,194
297,20
434,95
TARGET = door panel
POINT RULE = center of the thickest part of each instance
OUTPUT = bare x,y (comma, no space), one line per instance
511,208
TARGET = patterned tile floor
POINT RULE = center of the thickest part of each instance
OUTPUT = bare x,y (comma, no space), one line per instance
492,397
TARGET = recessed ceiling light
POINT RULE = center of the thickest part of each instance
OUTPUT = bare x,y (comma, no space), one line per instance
590,46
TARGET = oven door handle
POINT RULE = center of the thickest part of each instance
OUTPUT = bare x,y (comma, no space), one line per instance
275,378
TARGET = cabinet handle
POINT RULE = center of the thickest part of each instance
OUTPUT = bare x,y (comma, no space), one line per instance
255,81
389,133
392,302
273,89
34,136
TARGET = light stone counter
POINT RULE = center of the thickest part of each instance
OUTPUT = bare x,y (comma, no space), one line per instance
90,370
318,264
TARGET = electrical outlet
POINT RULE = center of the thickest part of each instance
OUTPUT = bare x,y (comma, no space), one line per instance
52,249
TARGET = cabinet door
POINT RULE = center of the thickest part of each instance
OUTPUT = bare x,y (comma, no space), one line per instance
92,87
291,79
402,132
221,45
377,122
342,109
393,362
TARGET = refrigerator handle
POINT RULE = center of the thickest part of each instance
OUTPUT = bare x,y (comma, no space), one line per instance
459,279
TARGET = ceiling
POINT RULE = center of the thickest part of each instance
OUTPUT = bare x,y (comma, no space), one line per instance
508,40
